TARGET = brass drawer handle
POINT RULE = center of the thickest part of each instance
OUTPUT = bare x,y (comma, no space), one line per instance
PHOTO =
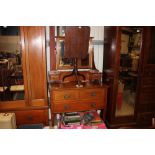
93,94
93,105
66,107
66,96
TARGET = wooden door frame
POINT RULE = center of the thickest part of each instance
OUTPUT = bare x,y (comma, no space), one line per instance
52,49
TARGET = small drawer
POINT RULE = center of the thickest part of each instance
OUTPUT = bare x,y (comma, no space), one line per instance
92,94
65,95
32,117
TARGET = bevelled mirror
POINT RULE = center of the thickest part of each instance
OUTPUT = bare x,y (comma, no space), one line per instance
11,73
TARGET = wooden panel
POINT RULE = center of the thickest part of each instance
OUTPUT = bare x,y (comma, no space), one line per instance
112,47
52,48
32,117
148,82
149,71
38,102
145,118
147,60
36,63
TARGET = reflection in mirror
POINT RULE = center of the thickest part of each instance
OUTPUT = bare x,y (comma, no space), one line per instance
128,71
11,73
66,63
63,61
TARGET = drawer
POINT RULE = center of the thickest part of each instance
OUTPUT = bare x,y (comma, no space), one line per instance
32,117
65,95
92,94
77,106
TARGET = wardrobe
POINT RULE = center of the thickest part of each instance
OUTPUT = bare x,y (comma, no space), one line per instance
33,108
144,89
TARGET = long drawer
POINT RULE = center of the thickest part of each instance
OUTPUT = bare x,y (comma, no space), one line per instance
78,95
77,106
32,117
65,95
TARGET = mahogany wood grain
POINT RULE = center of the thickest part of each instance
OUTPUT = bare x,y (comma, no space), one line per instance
76,41
37,81
145,105
52,49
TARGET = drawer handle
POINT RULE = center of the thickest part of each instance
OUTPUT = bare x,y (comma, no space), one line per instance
66,96
93,94
66,107
93,105
30,118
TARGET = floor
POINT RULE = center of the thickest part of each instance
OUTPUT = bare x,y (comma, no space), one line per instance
128,103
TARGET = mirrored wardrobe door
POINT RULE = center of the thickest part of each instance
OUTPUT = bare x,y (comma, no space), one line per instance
11,68
128,71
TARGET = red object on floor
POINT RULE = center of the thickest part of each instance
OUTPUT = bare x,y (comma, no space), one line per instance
99,125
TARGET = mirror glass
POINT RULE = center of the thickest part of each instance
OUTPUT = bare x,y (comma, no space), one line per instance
11,73
128,71
67,63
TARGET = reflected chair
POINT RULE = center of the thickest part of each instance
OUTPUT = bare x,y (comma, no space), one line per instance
16,85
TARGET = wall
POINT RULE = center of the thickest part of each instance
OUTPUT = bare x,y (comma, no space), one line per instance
98,33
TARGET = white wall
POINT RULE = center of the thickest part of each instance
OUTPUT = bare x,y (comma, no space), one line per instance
97,32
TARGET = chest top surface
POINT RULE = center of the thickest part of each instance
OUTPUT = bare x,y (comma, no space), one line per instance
72,85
